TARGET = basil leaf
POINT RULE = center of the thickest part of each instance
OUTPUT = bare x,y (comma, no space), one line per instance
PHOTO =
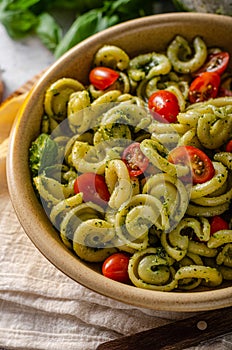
49,32
95,20
16,4
84,26
16,17
20,4
18,23
21,17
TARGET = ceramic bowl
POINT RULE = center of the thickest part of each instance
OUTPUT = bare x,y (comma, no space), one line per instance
136,36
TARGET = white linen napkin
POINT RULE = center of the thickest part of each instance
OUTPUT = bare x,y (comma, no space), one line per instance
41,308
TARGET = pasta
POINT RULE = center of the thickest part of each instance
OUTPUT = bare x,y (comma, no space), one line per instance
143,201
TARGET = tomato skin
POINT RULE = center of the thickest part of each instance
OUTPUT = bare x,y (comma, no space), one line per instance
204,87
103,77
164,106
217,223
216,62
229,146
115,267
202,168
134,159
93,187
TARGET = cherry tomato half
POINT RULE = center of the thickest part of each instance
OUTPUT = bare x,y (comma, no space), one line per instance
93,187
204,87
134,159
164,106
217,223
216,62
102,77
115,267
229,146
202,168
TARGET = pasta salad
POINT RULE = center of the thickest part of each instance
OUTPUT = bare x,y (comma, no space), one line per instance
134,170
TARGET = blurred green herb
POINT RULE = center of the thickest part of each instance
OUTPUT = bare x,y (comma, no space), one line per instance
25,17
17,17
48,31
42,153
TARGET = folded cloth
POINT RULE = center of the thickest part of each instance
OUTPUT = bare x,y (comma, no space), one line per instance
40,307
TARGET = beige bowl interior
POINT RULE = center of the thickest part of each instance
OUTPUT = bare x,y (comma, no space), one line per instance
137,36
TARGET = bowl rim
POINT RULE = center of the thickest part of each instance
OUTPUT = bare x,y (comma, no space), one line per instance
56,253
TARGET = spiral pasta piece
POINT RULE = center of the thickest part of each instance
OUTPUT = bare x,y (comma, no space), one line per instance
212,276
179,95
213,201
146,87
57,96
131,99
148,65
192,282
191,259
179,50
216,102
79,116
152,269
213,130
86,158
133,221
175,244
226,272
190,117
111,56
225,158
172,193
157,154
92,240
74,216
50,190
225,256
206,211
158,128
63,206
127,113
118,182
219,238
103,100
113,132
202,249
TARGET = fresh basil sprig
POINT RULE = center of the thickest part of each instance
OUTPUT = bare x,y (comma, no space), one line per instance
24,17
95,20
17,17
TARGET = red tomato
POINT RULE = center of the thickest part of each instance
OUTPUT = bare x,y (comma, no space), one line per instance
229,146
164,106
115,267
134,159
215,62
202,168
93,187
204,87
217,223
102,77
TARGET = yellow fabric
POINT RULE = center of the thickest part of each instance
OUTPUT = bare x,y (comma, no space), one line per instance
8,111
